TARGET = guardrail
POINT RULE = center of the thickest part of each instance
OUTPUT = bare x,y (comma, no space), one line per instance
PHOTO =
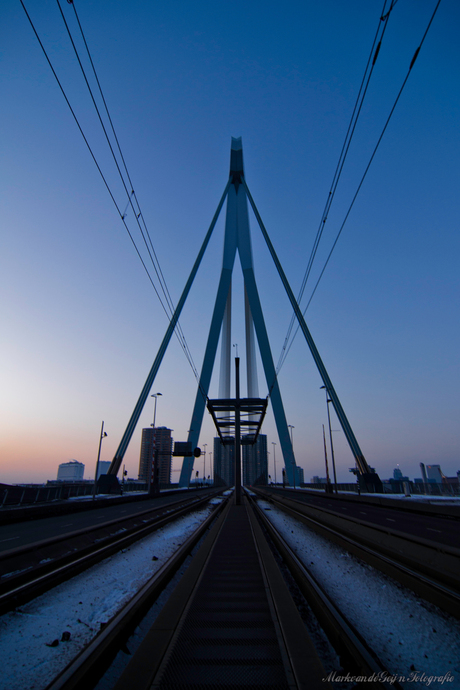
15,496
438,489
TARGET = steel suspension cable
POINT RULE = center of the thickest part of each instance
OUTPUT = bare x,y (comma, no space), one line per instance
374,52
365,173
87,142
122,216
137,215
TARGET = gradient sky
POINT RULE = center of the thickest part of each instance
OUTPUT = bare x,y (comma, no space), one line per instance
80,322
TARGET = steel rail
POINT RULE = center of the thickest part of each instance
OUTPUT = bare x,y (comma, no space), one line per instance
93,661
298,644
86,669
29,584
342,634
50,541
307,509
183,622
436,591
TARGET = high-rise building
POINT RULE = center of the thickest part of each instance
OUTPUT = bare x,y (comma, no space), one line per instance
424,477
163,446
255,462
299,476
103,467
146,455
71,471
434,473
224,462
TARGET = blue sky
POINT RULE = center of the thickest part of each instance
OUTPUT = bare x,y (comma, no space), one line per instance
81,323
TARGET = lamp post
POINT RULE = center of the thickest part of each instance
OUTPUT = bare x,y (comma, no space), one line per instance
103,435
205,445
328,400
274,457
293,458
153,468
328,481
193,460
210,465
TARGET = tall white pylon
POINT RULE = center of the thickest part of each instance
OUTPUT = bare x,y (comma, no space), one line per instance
237,237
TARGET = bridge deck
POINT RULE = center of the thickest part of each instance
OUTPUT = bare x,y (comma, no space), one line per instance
231,622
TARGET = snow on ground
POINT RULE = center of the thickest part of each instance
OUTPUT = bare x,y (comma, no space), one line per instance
404,630
410,636
81,606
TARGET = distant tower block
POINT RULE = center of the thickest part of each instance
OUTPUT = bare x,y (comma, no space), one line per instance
71,471
158,439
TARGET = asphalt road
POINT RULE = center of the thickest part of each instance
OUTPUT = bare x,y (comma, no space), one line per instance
32,531
434,528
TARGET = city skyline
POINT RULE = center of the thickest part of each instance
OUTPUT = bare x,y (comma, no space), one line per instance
432,470
81,322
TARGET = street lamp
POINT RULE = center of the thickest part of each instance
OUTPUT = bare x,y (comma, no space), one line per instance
274,458
153,468
293,458
205,445
210,465
155,395
103,435
328,400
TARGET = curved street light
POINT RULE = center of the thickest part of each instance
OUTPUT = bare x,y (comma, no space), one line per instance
291,427
103,435
274,457
152,469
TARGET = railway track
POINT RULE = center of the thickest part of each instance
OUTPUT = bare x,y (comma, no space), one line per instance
230,622
430,569
28,571
215,630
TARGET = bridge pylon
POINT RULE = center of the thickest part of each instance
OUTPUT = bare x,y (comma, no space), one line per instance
237,238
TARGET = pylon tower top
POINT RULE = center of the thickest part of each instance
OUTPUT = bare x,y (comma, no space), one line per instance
236,161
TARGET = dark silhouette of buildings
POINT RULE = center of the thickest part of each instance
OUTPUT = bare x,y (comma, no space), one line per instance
224,462
163,446
255,462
